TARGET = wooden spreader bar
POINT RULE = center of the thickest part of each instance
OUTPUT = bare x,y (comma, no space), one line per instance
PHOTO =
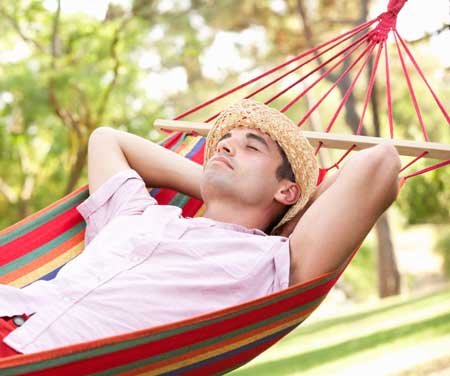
330,140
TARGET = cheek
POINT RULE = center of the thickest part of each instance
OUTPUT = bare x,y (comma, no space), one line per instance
260,168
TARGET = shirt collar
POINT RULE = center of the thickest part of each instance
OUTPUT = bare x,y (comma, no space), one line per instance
229,226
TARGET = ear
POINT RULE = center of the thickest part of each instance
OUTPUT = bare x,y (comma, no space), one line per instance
288,193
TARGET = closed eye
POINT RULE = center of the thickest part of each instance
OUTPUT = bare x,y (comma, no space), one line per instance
252,147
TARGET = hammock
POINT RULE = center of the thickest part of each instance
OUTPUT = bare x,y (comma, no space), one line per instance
217,342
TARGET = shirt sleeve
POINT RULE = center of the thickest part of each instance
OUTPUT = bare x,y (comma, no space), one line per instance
282,260
122,194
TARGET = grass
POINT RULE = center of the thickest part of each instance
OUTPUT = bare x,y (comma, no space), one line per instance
395,335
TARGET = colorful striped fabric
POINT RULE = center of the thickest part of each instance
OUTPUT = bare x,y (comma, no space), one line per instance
214,343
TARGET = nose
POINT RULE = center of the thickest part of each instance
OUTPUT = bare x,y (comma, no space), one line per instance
226,146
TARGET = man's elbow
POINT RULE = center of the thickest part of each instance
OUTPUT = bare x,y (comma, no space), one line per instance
101,133
385,166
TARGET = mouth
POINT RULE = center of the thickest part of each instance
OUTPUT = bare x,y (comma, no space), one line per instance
222,159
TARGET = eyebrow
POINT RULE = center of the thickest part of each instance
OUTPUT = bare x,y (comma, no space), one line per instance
249,136
257,138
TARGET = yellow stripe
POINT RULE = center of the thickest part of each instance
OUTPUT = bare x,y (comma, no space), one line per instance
200,211
50,266
192,360
187,147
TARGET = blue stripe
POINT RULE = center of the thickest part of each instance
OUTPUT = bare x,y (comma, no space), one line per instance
230,353
154,191
196,148
51,275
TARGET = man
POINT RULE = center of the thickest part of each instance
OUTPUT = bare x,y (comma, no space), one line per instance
145,265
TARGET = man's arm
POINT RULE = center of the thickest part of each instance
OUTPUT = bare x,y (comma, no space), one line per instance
111,151
341,217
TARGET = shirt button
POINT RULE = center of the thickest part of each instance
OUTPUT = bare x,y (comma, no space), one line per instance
18,320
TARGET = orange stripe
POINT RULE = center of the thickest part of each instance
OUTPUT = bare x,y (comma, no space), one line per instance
42,211
44,259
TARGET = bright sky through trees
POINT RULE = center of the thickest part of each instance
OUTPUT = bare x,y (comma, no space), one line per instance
417,18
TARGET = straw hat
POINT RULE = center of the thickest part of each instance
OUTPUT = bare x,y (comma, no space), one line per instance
251,114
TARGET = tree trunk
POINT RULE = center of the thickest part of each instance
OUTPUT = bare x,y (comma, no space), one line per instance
77,167
388,274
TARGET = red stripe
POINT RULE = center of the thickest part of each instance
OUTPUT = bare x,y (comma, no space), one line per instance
198,156
191,207
43,211
172,141
105,362
39,236
164,196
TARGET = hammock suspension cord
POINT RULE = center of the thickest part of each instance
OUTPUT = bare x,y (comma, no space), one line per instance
368,41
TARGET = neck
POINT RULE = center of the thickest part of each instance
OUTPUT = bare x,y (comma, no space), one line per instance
230,212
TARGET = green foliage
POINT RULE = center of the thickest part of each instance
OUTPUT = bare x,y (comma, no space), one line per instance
361,276
442,247
426,198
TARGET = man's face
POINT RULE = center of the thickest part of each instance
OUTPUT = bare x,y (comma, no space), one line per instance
243,167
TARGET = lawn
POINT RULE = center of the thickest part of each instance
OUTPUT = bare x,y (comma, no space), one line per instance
409,336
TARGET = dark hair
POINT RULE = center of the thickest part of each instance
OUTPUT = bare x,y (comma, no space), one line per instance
284,170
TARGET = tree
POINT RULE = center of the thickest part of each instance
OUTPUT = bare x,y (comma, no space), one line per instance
53,98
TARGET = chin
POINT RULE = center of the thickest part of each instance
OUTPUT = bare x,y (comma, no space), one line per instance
214,184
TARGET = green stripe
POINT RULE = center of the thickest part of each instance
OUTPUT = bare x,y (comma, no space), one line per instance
180,141
42,219
139,341
42,250
206,343
179,200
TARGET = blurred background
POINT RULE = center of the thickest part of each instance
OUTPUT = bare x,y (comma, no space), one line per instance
67,67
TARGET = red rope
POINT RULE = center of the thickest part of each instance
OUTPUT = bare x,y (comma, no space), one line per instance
420,156
369,89
430,168
367,51
252,94
361,39
411,89
387,21
388,92
411,57
347,93
278,67
352,48
342,158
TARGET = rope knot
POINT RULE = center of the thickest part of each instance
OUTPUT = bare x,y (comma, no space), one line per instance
387,21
